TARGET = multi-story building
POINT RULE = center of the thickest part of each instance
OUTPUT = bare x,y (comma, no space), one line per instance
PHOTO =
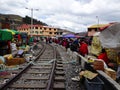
39,30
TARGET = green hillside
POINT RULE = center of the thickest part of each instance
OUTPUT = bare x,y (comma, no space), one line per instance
10,18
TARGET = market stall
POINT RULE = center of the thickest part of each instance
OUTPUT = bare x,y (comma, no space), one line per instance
5,37
110,39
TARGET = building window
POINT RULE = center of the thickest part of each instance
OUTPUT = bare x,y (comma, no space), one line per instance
36,32
89,29
36,27
32,27
50,32
44,28
56,33
60,33
41,32
97,29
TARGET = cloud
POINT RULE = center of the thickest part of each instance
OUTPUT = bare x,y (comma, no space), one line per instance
75,15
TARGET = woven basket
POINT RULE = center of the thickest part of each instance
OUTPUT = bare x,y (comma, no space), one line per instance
15,61
98,65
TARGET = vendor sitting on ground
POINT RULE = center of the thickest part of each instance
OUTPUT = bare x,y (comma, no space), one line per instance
103,56
25,47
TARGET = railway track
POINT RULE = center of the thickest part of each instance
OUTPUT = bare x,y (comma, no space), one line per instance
7,79
46,72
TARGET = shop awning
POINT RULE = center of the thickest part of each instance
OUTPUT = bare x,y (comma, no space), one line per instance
69,36
5,35
12,31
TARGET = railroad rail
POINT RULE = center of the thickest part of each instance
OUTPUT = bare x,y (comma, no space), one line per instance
45,72
16,73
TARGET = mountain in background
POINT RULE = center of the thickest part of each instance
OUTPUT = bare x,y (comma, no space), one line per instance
27,20
16,20
9,18
11,21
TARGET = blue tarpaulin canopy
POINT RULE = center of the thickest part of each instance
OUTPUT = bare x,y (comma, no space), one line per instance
69,36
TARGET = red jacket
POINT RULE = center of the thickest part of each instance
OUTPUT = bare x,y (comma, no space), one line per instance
104,57
83,49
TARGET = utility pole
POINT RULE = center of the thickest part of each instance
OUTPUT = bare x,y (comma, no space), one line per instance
31,18
97,22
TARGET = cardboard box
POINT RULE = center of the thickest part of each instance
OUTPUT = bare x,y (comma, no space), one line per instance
110,72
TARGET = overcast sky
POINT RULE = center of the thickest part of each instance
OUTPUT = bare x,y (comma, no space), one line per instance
74,15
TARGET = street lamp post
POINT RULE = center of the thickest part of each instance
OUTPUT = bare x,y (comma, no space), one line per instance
97,22
31,19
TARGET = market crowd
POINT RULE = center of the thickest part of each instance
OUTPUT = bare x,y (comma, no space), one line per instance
84,47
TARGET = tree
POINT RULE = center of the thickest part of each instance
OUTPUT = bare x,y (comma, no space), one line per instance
27,20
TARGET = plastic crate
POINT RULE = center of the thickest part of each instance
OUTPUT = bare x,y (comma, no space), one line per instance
94,84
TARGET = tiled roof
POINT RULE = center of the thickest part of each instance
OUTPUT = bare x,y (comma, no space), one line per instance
25,26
